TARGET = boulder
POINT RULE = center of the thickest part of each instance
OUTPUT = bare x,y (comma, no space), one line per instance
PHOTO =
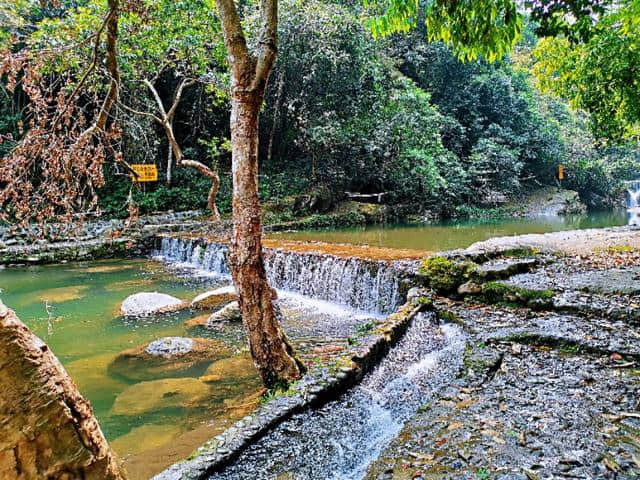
148,303
167,357
48,429
237,367
215,298
469,288
229,313
145,397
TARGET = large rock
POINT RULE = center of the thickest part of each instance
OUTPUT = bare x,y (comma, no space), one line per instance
47,429
145,397
229,313
149,303
167,357
238,367
215,298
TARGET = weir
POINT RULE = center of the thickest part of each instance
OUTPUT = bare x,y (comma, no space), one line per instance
367,285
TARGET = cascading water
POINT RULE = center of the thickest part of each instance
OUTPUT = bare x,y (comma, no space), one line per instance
341,439
186,253
633,202
372,286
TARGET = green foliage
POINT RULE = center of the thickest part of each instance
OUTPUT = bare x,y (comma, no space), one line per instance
188,192
600,75
471,27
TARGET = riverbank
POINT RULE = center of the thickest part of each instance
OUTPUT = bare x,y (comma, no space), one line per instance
548,389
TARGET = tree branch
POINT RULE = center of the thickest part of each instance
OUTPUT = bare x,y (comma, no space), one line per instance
267,43
233,34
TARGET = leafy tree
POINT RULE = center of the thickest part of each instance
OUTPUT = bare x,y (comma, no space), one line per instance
599,75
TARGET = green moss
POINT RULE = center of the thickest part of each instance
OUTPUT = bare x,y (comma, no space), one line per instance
499,292
619,249
521,252
444,275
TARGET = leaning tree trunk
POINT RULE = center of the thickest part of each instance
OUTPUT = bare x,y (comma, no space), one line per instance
270,350
47,430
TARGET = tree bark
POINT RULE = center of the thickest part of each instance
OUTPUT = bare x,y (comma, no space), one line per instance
47,430
270,349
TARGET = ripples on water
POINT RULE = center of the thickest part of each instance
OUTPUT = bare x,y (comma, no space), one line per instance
340,440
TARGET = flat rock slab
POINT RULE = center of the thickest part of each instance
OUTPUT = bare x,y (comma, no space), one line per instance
542,415
504,267
148,303
617,281
170,346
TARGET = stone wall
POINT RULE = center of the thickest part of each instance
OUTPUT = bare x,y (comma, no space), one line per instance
95,240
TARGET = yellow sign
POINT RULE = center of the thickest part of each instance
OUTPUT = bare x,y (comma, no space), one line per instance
146,173
560,172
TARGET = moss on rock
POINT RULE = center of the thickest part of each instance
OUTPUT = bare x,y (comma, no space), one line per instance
499,292
444,275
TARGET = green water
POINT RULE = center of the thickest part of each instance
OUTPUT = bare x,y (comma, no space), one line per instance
454,234
85,330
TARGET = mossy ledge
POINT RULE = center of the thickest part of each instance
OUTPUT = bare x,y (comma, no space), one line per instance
499,292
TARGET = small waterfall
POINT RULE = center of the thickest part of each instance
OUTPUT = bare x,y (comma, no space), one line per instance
372,286
189,253
633,202
341,439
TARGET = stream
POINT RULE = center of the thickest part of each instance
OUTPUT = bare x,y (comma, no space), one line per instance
341,439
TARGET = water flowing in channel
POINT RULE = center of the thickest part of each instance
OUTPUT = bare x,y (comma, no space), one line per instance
341,439
371,286
633,202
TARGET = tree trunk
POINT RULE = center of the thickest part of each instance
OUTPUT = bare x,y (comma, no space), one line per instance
270,349
47,430
271,352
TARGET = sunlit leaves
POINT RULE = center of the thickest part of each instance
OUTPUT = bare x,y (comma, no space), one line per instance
471,27
600,75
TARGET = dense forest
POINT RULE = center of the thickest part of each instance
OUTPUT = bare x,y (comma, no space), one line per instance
344,112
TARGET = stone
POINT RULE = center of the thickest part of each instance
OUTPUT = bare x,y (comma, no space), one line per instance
170,346
48,430
167,357
155,395
149,303
145,438
62,294
469,288
229,313
232,368
215,298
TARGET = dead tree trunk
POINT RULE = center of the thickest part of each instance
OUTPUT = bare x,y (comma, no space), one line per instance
270,349
47,429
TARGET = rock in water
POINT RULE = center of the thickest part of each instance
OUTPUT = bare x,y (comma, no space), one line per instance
230,313
157,395
215,298
169,346
48,429
232,368
148,303
167,357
